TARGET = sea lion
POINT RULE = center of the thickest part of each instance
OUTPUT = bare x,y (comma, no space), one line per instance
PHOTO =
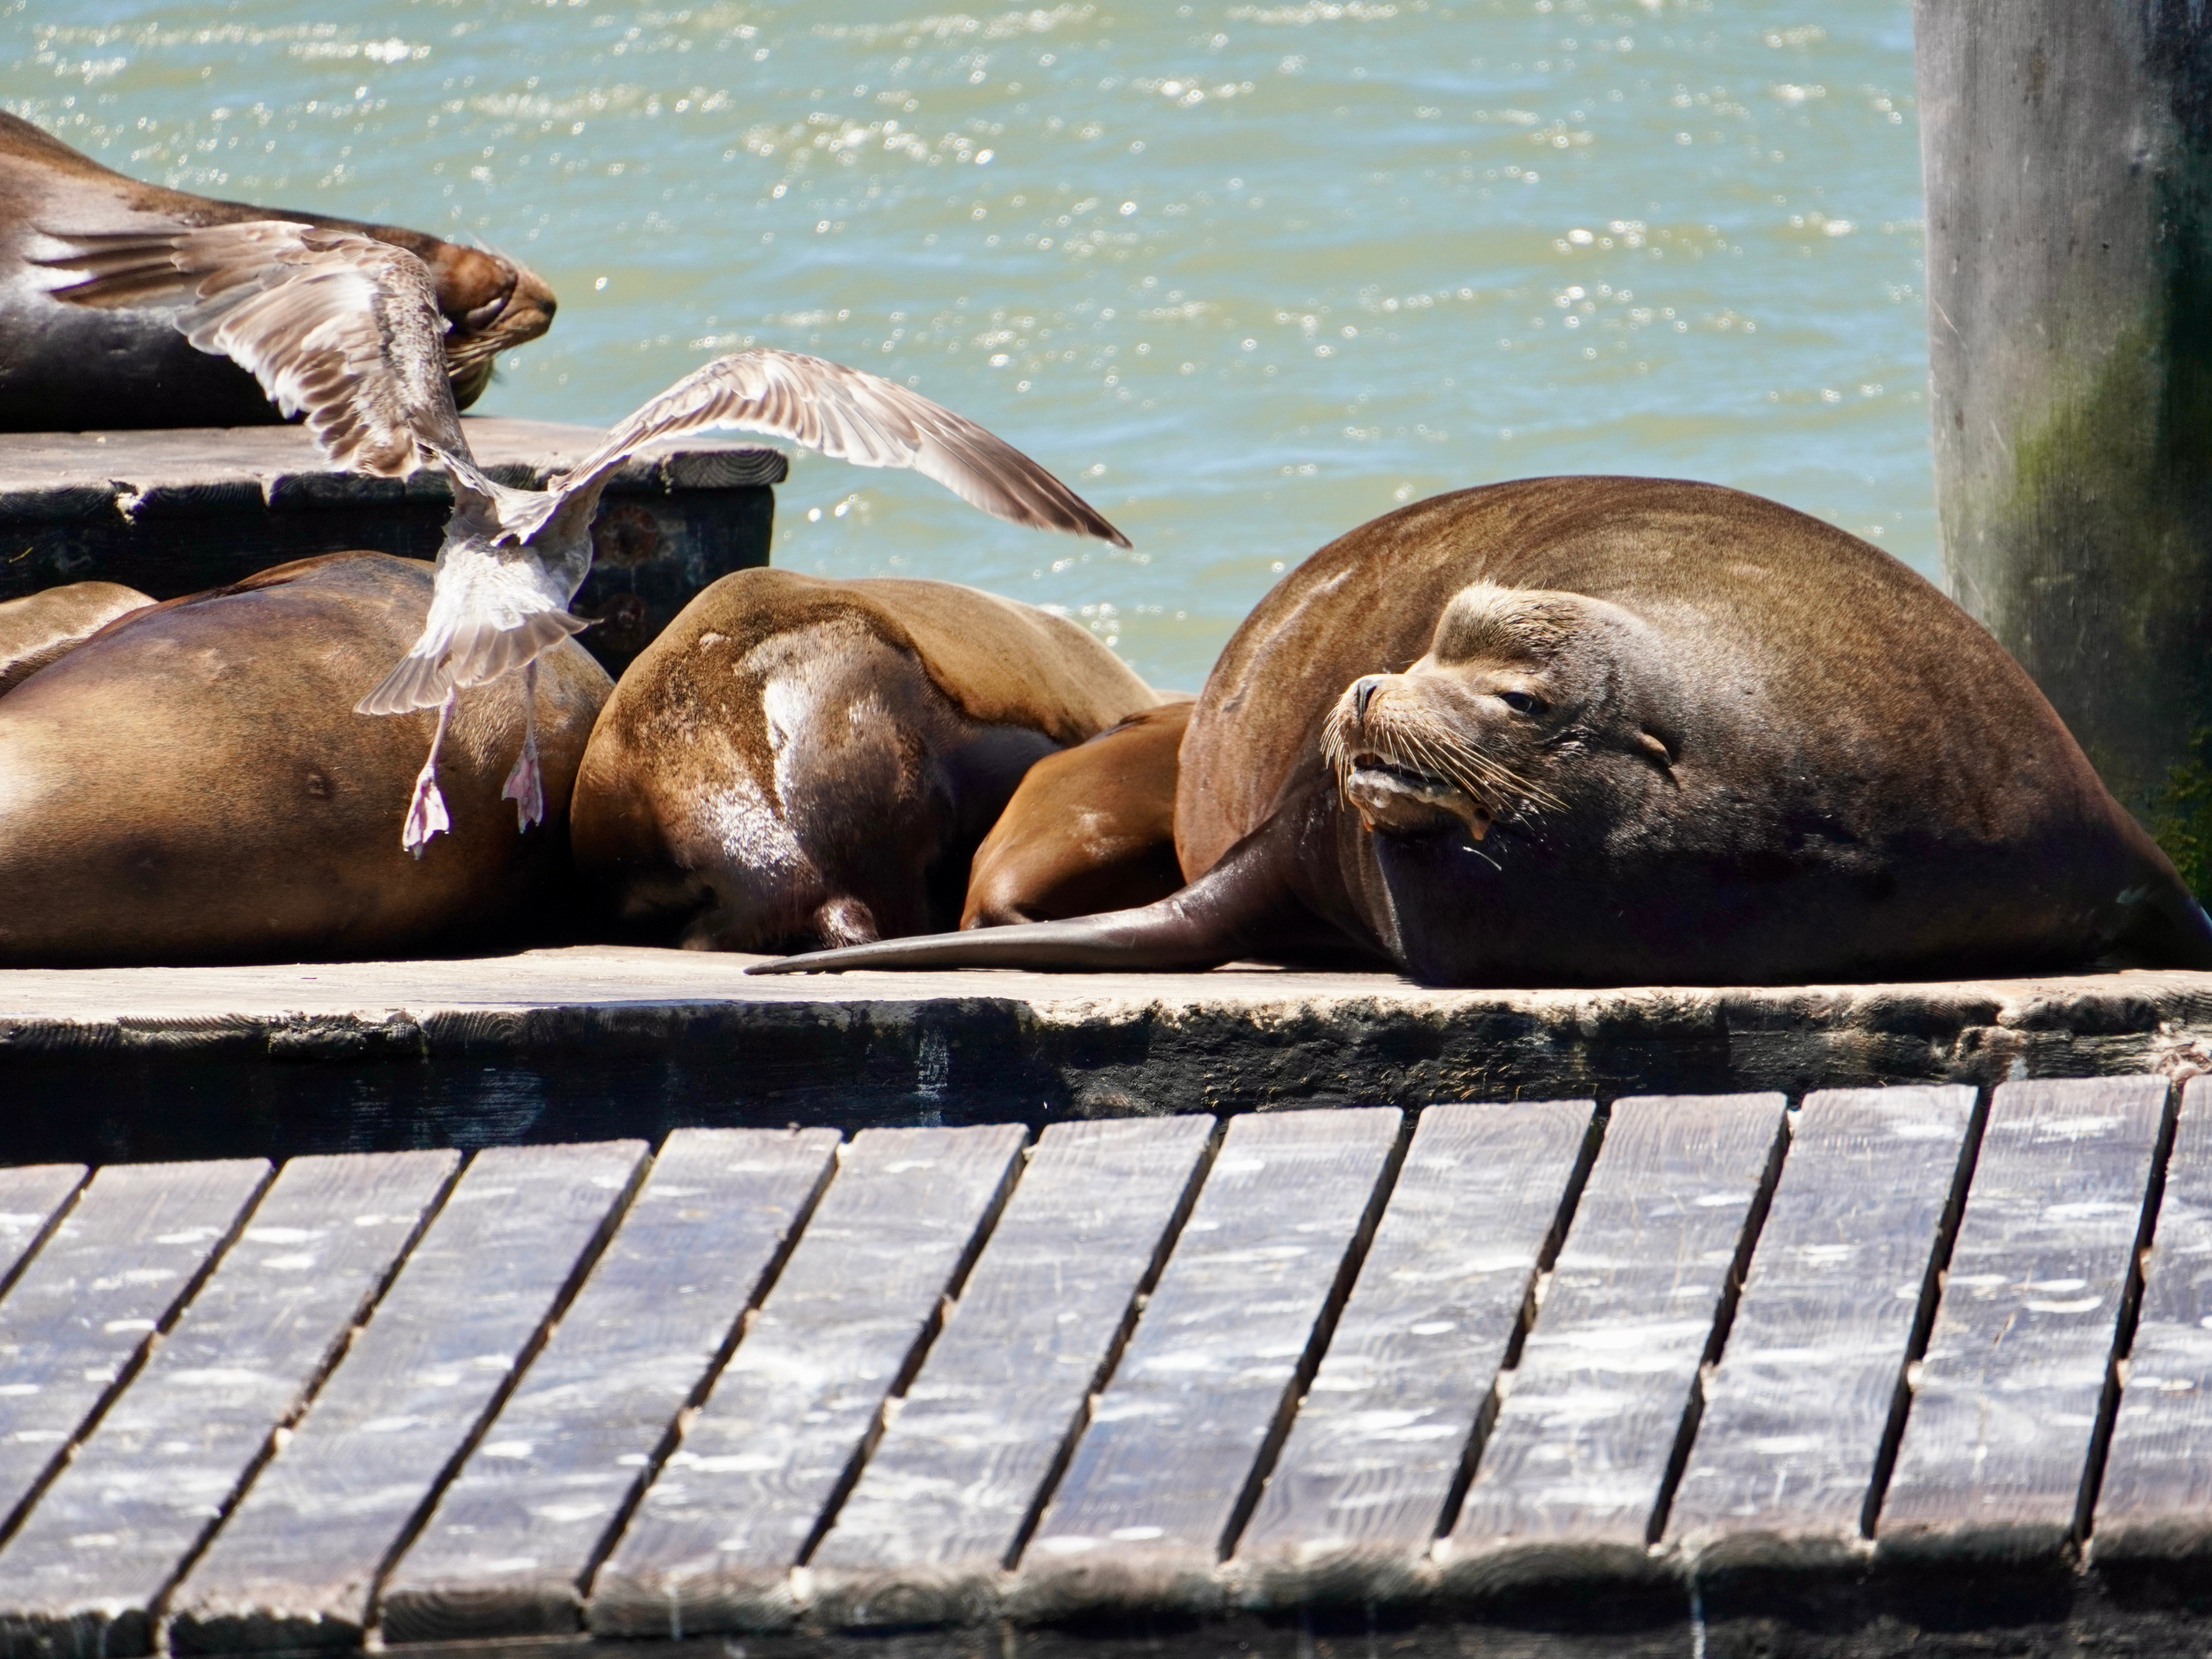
798,761
193,786
1090,829
1575,731
65,367
345,330
41,628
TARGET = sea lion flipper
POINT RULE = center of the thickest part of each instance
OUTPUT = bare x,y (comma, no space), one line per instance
854,415
1233,910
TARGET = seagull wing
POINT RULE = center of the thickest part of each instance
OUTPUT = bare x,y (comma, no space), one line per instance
338,326
854,417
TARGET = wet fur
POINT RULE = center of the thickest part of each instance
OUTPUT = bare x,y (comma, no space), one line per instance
798,761
1091,828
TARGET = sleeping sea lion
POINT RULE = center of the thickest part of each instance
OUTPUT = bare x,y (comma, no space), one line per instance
67,368
798,761
41,628
1624,731
1091,828
192,785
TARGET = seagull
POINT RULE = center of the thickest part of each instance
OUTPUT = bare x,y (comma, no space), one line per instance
346,332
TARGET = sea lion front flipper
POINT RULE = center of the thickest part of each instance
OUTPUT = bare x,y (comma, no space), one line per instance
1236,909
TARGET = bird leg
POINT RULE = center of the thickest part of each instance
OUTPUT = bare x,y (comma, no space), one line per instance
524,786
426,811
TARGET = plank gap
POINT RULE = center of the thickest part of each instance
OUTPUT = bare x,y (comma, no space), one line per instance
579,1270
2130,1311
912,1365
1316,1340
1732,1292
1593,1140
16,1268
1923,1316
127,1372
674,1436
1119,1344
159,1606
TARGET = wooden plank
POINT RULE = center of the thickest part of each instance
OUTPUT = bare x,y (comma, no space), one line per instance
84,1573
1359,1495
1572,1478
2154,1510
957,1477
1990,1474
511,1542
81,1314
1178,1443
294,1564
30,1197
1801,1415
793,1414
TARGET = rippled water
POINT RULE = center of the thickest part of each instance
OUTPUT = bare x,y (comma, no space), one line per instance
1246,274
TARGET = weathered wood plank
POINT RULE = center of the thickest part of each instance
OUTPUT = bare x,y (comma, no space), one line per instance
794,1412
1178,1442
30,1197
2154,1510
1358,1494
1573,1472
84,1574
507,1550
1801,1411
1990,1474
926,1535
81,1313
294,1564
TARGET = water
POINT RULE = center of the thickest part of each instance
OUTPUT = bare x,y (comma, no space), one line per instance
1245,274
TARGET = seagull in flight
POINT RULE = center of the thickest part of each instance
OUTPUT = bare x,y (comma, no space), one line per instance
345,331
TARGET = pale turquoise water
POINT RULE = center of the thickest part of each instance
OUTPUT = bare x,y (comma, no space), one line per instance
1246,274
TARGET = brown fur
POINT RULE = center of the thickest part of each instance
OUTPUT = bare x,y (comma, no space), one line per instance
796,760
192,784
1624,731
42,627
67,368
1091,828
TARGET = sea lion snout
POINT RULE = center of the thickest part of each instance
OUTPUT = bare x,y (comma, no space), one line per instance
493,305
1409,760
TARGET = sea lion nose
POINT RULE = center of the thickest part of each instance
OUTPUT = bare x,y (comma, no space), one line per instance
1362,692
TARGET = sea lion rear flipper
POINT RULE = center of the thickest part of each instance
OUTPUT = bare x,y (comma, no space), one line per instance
1235,909
2166,928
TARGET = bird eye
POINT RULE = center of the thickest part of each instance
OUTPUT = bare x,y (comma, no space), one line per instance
1521,703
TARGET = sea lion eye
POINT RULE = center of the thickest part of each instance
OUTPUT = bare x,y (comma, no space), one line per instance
484,315
1521,703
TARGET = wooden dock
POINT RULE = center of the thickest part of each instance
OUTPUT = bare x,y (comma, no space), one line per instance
596,1043
173,512
1920,1368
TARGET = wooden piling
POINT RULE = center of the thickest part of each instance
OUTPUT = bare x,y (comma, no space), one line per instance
2068,154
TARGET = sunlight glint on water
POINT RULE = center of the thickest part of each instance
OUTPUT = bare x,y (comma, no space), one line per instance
1245,274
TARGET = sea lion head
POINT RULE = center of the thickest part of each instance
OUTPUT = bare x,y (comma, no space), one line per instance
492,304
1517,685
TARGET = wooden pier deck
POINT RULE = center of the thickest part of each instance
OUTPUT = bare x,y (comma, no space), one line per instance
599,1042
1875,1368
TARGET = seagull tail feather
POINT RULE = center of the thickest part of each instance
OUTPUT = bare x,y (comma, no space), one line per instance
476,654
